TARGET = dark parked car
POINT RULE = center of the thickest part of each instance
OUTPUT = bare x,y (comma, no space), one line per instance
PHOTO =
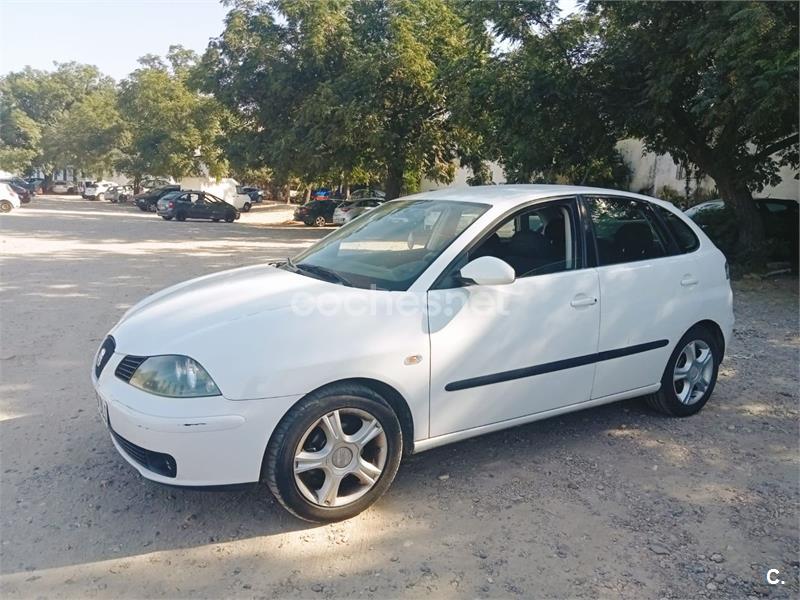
316,212
781,220
256,195
23,191
189,204
146,201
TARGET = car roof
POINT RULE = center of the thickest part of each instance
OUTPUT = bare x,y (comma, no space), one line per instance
510,195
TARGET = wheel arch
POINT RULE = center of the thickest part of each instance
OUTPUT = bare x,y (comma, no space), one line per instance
715,330
384,390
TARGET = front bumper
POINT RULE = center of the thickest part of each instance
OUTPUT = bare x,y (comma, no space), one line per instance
213,441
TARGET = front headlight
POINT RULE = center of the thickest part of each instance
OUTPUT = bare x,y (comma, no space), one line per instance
175,377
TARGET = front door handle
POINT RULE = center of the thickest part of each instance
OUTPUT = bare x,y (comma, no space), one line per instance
582,300
689,280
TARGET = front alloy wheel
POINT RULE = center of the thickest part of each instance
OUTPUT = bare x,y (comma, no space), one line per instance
340,457
320,221
334,453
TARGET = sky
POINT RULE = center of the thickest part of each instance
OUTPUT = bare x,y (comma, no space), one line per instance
110,34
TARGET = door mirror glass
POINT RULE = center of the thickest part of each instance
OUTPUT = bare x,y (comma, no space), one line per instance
488,270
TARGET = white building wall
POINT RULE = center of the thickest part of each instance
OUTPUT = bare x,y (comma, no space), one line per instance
649,173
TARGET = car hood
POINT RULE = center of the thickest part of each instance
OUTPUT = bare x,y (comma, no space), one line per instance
170,320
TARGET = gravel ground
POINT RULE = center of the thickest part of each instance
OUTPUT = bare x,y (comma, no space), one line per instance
612,502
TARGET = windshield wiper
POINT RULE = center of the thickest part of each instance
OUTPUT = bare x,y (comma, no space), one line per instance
323,273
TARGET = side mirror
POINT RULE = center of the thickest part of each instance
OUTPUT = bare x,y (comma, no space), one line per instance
488,270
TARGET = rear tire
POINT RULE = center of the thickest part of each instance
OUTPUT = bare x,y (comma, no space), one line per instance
320,222
215,220
152,208
230,217
5,206
167,218
180,216
357,408
100,197
690,375
246,207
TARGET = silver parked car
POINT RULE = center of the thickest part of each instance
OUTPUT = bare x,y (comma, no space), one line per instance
345,213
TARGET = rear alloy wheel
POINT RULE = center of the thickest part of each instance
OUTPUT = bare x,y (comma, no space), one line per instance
246,207
690,375
152,208
334,453
5,206
320,222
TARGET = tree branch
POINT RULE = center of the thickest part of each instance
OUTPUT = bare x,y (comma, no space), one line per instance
777,146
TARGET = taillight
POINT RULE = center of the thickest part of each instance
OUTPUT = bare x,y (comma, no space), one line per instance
171,204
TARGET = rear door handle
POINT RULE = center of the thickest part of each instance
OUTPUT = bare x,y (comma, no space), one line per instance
689,280
582,300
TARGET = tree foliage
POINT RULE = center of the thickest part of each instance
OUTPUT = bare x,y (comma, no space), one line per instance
171,130
712,83
348,90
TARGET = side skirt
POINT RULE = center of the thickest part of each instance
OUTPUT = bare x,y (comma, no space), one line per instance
457,436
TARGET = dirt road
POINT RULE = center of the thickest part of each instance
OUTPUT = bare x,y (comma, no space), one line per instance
612,502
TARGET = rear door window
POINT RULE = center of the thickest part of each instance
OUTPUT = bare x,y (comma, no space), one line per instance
685,238
624,230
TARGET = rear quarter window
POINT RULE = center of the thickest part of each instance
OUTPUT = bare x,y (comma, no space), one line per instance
684,236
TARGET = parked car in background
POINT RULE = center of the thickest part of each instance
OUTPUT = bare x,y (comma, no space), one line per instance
152,183
781,218
35,184
146,201
320,194
59,187
119,193
363,193
9,199
256,195
22,191
97,190
242,202
316,212
347,211
191,204
408,307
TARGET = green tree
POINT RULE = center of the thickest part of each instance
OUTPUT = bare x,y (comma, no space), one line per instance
712,83
342,90
535,103
170,129
34,106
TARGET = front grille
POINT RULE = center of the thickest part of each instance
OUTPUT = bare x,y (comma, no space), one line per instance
104,355
157,462
127,366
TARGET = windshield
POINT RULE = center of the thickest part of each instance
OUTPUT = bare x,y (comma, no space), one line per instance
390,246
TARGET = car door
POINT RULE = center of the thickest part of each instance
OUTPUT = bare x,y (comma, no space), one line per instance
200,209
500,352
647,293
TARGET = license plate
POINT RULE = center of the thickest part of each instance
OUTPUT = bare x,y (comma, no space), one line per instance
102,408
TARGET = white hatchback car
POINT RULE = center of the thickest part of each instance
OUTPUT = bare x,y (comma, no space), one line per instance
445,315
9,199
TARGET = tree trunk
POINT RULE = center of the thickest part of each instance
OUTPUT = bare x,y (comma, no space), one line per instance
752,241
394,181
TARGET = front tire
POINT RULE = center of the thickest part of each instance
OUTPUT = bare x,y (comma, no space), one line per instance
152,208
246,207
334,454
320,222
5,206
230,217
690,375
167,218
